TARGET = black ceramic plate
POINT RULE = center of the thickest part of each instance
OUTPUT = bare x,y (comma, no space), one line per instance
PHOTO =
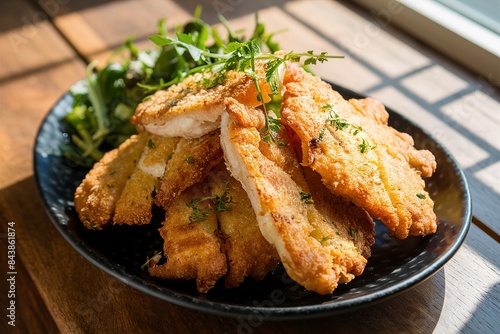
395,265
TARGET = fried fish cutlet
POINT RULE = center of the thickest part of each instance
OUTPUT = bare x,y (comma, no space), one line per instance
337,222
192,248
190,163
348,221
96,197
248,252
134,207
286,218
402,143
358,156
190,109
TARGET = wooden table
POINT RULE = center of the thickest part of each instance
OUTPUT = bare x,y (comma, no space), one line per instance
44,48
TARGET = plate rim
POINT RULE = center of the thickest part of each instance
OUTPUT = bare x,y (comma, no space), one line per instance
268,313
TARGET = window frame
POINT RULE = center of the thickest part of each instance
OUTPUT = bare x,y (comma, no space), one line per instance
452,34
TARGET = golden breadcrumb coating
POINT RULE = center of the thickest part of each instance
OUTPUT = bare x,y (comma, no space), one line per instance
190,110
349,221
313,254
190,163
96,197
248,252
134,207
358,156
193,250
238,200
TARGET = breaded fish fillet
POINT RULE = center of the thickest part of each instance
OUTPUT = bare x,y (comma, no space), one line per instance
134,207
349,222
358,156
287,218
190,163
248,252
190,110
96,197
192,249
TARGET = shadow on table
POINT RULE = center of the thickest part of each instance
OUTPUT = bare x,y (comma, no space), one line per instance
422,309
229,8
486,313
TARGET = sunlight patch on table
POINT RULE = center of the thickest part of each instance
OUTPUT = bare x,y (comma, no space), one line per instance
490,176
347,72
434,84
480,253
367,41
446,135
25,49
479,113
99,28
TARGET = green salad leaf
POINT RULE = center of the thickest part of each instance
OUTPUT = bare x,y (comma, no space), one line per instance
106,99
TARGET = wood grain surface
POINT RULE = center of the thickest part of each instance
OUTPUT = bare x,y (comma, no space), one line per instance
45,46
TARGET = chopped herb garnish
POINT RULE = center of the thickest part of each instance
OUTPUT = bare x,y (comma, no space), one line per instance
324,239
365,146
198,214
337,122
274,128
172,103
220,203
352,232
340,123
151,144
321,134
190,160
306,198
421,196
